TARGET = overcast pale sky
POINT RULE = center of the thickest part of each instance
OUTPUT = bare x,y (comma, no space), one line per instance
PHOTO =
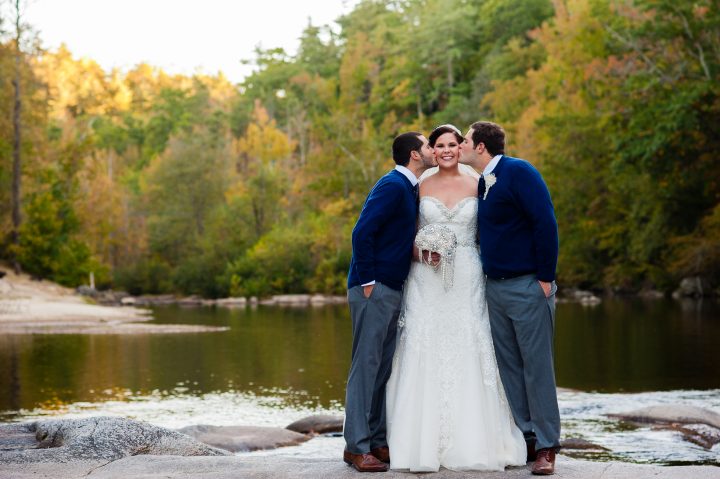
180,36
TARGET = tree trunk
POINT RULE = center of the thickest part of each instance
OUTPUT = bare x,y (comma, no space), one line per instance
16,218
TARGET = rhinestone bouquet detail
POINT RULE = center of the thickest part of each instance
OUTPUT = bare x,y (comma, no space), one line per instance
439,239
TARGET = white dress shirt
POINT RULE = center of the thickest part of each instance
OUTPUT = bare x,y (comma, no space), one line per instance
491,166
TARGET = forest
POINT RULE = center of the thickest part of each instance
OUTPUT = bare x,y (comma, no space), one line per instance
160,183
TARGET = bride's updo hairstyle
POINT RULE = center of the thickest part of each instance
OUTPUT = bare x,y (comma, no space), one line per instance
441,130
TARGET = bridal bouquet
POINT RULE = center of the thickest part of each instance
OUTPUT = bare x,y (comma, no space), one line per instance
438,239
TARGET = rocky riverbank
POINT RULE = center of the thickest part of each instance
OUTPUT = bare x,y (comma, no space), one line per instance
689,289
109,447
120,298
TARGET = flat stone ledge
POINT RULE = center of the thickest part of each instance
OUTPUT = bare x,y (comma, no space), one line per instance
264,467
318,424
244,438
275,467
92,439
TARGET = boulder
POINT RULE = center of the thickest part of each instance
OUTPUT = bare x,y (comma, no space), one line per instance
583,297
580,443
244,438
700,434
190,301
128,301
232,302
671,413
693,287
318,424
697,425
86,290
320,300
106,438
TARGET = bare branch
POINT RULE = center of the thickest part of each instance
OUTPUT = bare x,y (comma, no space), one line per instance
700,51
355,160
632,45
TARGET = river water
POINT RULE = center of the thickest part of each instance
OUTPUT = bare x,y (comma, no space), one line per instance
276,365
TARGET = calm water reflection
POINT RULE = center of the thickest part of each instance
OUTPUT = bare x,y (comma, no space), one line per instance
620,345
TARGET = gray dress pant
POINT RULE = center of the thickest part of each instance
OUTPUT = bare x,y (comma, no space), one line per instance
374,326
522,321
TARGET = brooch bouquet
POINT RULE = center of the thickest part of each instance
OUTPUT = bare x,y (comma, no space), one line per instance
438,239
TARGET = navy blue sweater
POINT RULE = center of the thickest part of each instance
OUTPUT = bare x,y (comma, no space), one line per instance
382,240
517,229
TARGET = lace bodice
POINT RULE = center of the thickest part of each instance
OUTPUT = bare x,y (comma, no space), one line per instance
462,218
443,322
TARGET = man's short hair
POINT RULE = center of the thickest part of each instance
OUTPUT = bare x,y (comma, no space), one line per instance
491,134
405,143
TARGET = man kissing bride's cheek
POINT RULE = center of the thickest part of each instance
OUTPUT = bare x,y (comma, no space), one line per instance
437,375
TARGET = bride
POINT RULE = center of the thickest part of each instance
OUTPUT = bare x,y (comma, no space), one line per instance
445,403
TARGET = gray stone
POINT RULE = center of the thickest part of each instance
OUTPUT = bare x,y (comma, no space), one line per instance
16,436
190,301
582,444
86,290
244,438
671,413
232,302
702,435
693,287
586,298
97,438
317,424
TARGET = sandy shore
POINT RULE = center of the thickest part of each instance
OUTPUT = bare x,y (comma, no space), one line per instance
42,307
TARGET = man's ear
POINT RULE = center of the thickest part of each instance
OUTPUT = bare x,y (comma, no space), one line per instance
414,155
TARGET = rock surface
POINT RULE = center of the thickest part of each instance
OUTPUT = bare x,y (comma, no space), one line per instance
697,425
98,438
693,287
671,413
163,467
700,434
244,438
317,424
581,444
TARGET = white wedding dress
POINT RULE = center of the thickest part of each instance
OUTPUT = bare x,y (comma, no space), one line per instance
445,403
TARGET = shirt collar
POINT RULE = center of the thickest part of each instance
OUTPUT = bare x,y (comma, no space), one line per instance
491,166
408,174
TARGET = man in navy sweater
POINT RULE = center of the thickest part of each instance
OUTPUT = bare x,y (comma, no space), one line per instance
518,237
382,243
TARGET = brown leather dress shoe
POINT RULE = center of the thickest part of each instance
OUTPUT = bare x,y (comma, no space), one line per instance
382,453
544,465
364,462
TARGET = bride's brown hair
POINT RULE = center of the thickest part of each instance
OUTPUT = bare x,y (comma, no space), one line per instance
441,130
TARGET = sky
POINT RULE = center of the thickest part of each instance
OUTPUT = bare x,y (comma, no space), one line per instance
179,36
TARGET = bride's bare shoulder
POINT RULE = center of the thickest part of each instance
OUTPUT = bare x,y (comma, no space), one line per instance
470,181
428,183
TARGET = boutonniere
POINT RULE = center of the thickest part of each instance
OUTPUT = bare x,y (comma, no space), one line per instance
490,180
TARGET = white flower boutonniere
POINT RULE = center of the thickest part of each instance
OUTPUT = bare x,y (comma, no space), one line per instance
489,181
